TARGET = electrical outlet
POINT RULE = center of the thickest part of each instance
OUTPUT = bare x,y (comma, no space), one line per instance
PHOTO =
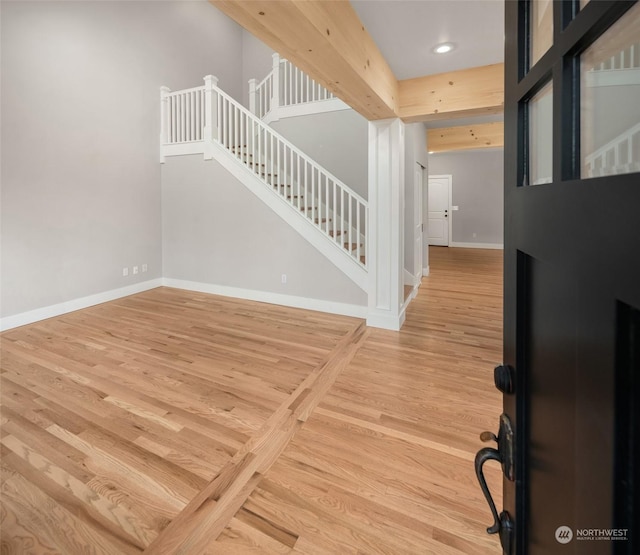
144,268
125,272
135,270
284,278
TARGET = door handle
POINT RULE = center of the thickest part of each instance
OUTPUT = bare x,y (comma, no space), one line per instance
488,454
504,454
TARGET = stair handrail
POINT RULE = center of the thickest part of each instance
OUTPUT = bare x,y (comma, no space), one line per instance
283,140
229,138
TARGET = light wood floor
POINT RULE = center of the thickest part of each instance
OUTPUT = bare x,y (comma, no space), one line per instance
178,422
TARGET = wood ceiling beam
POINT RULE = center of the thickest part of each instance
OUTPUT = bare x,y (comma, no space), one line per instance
464,137
477,91
328,41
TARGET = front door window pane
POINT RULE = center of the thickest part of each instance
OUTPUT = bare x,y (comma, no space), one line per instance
541,28
610,100
540,118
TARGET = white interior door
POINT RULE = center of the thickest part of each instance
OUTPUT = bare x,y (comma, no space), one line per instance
439,210
417,219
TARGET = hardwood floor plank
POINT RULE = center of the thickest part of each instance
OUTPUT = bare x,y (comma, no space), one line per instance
241,538
49,527
112,520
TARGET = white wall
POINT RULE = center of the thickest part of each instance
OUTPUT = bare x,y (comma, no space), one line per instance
477,189
215,231
80,172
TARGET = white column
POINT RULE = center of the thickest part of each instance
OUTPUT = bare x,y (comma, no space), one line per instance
385,236
275,89
210,115
164,121
252,96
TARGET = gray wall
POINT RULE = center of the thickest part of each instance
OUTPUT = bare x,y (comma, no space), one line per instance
339,141
80,172
257,62
611,111
215,231
477,188
415,153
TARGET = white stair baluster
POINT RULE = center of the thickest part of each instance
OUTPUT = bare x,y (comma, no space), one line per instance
350,227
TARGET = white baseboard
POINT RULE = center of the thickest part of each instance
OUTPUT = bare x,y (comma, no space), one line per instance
320,305
24,318
425,271
498,246
410,279
387,322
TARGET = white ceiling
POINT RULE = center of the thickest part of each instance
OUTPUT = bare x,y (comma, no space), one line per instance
407,30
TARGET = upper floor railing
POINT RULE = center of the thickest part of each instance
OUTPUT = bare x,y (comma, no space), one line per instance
286,85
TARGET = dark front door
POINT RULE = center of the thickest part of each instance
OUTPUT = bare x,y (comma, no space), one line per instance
572,279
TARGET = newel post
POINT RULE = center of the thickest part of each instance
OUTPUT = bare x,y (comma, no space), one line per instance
164,120
275,88
252,96
210,115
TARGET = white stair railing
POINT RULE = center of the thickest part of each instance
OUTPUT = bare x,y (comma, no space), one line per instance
619,155
202,116
629,58
286,85
187,119
261,97
184,115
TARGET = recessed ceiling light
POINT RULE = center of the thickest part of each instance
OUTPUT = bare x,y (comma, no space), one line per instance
443,48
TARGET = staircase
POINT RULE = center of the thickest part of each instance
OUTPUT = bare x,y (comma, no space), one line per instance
323,209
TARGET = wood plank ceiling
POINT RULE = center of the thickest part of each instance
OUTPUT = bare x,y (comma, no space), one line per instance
328,41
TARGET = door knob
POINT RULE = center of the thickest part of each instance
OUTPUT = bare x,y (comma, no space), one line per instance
504,378
504,454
